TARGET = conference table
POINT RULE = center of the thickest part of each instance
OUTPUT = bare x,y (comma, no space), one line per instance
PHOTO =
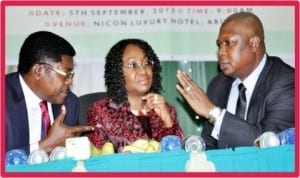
240,159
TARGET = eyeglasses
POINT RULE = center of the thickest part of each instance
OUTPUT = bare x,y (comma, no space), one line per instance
67,75
135,65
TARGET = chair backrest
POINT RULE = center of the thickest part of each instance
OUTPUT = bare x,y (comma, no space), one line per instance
85,101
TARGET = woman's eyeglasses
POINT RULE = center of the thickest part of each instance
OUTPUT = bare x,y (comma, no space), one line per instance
135,65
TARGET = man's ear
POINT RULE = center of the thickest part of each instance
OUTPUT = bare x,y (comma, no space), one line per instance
37,71
254,43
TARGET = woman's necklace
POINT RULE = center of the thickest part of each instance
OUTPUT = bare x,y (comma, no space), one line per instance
142,112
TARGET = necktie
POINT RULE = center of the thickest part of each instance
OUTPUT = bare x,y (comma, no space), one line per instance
241,102
45,119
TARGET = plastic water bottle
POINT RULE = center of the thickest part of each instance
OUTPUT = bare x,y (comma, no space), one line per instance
38,156
170,143
287,136
194,143
267,139
58,153
16,156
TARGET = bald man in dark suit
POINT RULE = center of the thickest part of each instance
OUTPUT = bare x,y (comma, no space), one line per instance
268,82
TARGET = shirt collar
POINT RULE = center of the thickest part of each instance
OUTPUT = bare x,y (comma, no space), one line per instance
29,95
250,81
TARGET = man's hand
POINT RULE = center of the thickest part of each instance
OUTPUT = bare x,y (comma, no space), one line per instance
193,94
59,132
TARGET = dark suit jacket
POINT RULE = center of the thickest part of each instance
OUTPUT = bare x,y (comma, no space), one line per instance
271,107
16,120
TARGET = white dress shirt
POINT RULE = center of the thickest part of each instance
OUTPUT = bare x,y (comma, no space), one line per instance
34,115
249,83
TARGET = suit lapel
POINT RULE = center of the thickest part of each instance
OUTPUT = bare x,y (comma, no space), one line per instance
226,88
56,110
256,98
19,116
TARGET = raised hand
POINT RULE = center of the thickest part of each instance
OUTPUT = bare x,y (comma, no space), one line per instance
59,132
158,104
193,94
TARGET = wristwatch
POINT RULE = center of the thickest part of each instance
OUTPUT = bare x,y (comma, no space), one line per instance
214,114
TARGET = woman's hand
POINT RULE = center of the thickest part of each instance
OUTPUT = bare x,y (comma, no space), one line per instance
158,104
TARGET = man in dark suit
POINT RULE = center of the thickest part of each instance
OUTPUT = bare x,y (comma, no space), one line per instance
45,73
269,83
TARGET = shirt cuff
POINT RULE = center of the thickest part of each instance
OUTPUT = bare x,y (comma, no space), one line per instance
217,126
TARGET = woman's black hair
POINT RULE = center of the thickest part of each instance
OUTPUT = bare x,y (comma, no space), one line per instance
114,77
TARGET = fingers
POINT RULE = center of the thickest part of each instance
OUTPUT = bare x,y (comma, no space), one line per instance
183,78
180,89
157,103
186,84
80,129
74,131
153,100
69,130
61,117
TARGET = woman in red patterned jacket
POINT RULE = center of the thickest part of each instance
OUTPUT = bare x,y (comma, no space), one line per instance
134,107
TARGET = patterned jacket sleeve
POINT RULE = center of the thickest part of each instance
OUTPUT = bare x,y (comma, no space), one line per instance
174,130
98,137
